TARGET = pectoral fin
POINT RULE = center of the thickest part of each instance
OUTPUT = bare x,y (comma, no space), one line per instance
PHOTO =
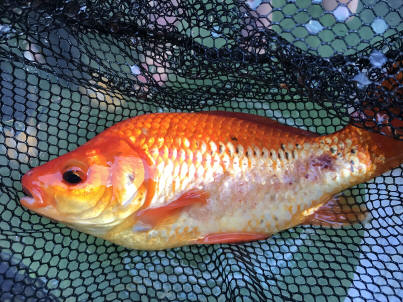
148,219
230,238
336,212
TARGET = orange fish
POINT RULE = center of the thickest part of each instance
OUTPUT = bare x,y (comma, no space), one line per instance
164,180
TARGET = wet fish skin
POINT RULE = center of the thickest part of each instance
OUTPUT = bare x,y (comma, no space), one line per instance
163,180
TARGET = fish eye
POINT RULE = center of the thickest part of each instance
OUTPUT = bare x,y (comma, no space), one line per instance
74,176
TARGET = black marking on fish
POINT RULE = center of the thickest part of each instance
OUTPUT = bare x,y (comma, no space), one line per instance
131,177
220,148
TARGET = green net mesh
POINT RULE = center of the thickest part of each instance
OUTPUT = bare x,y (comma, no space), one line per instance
70,69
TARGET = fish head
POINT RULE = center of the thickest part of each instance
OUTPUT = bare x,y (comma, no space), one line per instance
95,186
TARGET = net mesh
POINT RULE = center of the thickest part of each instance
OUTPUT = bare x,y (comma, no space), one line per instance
69,69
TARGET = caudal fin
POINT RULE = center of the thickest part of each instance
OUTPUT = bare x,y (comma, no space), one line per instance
386,152
384,114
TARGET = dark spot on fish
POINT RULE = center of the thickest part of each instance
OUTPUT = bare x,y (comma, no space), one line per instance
234,138
352,166
254,153
324,161
297,145
131,177
197,144
283,147
237,150
353,151
246,153
333,150
339,154
286,155
271,153
293,153
211,152
220,148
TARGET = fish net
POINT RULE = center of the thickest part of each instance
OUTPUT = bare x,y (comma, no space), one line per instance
70,69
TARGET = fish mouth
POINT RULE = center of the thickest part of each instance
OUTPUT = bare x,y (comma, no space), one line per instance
32,199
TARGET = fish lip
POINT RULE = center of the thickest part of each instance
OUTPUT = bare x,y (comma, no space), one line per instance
27,192
26,201
32,200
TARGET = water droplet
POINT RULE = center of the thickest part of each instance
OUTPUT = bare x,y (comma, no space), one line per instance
341,13
379,26
54,283
135,70
314,26
377,58
214,33
253,4
362,79
5,28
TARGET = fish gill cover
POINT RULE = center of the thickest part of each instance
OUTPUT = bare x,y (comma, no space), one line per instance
70,69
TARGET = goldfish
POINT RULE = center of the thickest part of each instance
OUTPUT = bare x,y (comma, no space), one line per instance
164,180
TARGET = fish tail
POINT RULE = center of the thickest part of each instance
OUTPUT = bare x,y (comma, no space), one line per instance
383,152
387,152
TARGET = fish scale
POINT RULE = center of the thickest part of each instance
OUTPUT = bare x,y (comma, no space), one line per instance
219,177
230,144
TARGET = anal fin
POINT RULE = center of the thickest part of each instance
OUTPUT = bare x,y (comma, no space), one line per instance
336,212
149,218
217,238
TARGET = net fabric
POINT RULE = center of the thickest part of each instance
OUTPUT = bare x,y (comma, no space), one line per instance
69,69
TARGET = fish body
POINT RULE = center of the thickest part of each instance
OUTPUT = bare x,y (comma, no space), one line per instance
164,180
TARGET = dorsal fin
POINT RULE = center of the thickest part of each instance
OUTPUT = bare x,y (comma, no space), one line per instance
261,120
